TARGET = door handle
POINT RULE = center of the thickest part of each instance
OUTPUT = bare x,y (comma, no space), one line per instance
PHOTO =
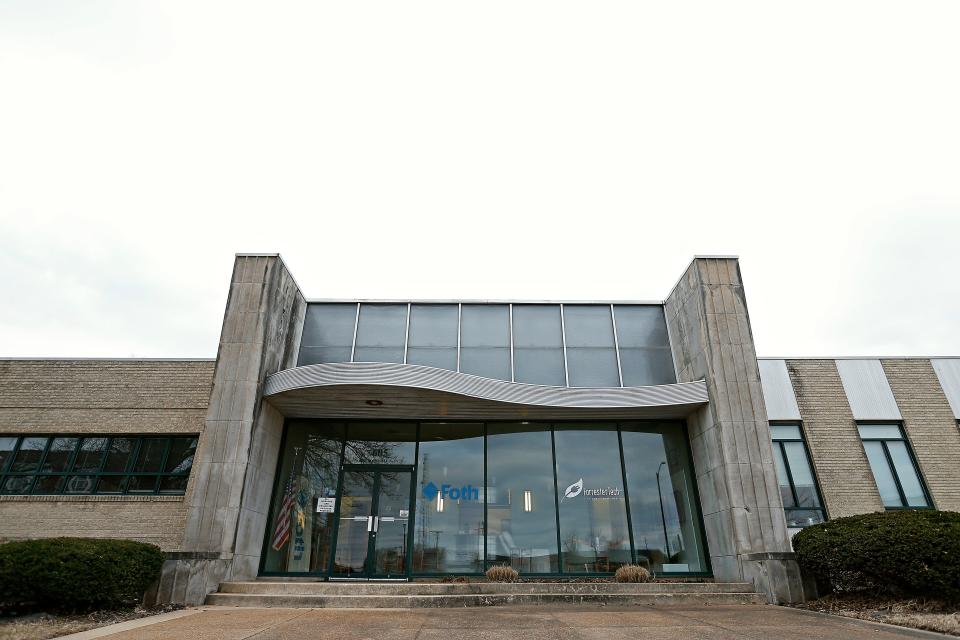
369,524
376,523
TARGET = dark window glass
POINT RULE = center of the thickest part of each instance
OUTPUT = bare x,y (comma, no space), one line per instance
894,469
591,357
645,356
381,443
111,484
119,454
327,333
142,484
433,335
663,508
485,340
7,445
79,484
381,333
798,488
449,517
521,505
17,485
593,517
150,456
28,457
180,457
538,344
47,485
173,484
58,457
90,455
309,471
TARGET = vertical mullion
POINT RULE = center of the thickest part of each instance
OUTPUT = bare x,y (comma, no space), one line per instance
556,500
163,464
786,467
459,323
13,458
70,462
486,534
406,335
335,529
626,494
131,463
411,518
893,472
356,323
616,343
43,458
512,374
563,338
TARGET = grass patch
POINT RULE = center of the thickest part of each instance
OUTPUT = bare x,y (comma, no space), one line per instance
915,613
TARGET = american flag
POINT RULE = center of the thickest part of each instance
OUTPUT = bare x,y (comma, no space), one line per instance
281,534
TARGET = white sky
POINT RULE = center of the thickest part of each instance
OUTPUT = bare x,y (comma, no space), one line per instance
490,149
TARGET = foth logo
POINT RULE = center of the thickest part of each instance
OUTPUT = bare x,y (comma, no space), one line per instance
466,492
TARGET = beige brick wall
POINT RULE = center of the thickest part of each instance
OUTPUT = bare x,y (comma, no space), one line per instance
101,396
930,426
845,478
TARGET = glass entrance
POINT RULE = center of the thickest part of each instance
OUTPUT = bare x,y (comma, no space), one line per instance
373,522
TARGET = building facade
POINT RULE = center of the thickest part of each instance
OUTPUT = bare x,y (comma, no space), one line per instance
356,440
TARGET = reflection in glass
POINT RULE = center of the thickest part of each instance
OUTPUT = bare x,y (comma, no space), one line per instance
449,512
538,344
485,340
591,356
381,333
327,333
7,445
58,457
521,506
309,471
883,474
593,517
393,508
663,510
645,356
28,457
90,454
433,335
887,446
381,443
353,535
909,481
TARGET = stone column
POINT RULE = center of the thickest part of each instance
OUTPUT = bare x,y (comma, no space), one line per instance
743,514
228,499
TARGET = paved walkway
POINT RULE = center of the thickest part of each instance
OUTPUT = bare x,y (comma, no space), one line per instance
515,623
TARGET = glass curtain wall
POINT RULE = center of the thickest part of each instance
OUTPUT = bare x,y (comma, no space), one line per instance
558,498
521,505
448,537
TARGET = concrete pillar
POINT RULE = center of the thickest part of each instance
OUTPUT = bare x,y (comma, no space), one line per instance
743,514
229,494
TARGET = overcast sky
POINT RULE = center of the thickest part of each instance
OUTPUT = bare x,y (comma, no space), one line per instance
489,149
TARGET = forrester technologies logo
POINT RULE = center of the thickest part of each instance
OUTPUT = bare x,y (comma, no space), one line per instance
576,489
466,492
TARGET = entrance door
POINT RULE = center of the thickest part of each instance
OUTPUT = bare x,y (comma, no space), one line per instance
373,524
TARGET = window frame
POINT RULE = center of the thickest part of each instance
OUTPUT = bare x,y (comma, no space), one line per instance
893,469
124,475
786,465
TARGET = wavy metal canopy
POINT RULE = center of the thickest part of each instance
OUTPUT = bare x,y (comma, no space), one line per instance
382,390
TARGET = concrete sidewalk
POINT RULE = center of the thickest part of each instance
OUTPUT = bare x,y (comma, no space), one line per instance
514,623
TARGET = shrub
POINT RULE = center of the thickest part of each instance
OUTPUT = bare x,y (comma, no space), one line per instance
502,573
76,574
907,553
632,573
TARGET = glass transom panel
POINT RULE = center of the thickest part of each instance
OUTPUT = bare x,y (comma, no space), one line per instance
576,345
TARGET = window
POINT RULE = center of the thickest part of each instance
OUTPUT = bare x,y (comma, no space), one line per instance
538,344
381,333
327,333
485,340
76,465
893,466
798,487
591,356
433,335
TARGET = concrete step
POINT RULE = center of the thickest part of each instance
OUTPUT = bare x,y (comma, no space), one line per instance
478,600
480,594
476,588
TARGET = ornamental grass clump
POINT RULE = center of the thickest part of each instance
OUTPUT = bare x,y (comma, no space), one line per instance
633,573
502,573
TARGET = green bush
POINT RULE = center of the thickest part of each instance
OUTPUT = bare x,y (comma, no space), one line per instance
76,574
909,553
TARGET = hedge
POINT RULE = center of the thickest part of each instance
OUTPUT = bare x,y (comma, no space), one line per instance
905,553
76,574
